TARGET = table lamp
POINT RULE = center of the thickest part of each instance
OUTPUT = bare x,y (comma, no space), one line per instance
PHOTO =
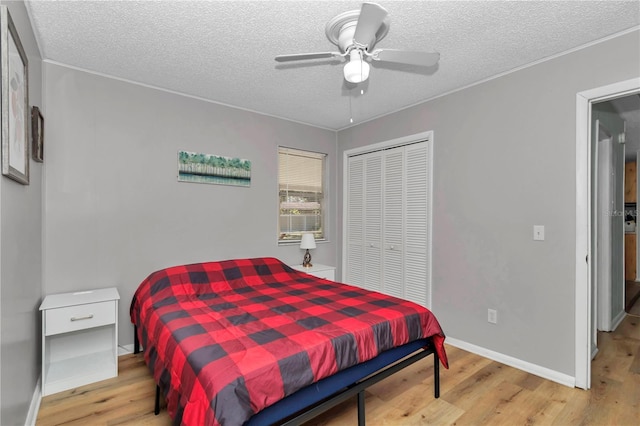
307,242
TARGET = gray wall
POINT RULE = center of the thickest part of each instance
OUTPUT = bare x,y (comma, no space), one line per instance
504,160
21,261
114,209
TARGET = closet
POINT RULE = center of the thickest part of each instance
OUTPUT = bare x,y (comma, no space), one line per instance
388,219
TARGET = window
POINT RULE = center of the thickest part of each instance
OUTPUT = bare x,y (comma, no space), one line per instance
301,191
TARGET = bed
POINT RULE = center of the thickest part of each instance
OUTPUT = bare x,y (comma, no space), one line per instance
253,341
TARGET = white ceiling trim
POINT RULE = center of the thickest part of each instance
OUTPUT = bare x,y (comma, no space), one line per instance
476,83
223,51
174,92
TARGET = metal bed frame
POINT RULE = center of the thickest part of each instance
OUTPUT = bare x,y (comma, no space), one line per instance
331,390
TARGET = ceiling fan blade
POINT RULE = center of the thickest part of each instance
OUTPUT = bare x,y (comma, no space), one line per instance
305,56
424,59
369,21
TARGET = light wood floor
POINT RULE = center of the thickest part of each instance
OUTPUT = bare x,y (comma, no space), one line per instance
475,391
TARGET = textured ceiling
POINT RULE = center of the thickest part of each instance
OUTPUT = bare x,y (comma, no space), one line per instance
224,50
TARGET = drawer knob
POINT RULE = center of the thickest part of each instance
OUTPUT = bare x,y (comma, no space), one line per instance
82,318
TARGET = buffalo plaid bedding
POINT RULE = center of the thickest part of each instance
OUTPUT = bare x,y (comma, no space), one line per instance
226,339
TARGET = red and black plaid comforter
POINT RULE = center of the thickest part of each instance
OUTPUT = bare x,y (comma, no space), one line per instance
227,339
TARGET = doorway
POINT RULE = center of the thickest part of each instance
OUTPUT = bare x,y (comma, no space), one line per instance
585,315
608,224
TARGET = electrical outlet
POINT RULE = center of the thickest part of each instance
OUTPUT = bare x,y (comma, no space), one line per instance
492,316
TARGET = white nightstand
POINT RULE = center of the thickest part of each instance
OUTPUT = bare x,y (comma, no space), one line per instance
320,271
79,339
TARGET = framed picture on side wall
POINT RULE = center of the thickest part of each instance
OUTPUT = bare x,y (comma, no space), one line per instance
15,102
37,134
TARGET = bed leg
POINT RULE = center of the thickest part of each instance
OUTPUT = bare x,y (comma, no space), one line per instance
156,409
361,420
436,375
136,342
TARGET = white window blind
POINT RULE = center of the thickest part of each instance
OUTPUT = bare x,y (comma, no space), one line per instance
301,193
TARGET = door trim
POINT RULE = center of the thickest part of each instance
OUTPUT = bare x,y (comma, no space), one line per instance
583,221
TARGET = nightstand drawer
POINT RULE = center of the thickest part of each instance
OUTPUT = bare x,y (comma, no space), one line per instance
79,317
317,270
327,274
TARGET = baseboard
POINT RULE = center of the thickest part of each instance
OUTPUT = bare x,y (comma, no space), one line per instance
34,407
125,349
617,320
545,373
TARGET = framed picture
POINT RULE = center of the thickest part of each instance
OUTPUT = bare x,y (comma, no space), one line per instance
15,102
207,168
37,134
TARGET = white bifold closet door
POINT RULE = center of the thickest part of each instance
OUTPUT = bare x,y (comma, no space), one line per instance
387,224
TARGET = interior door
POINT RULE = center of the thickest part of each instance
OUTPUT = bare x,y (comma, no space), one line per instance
603,247
608,289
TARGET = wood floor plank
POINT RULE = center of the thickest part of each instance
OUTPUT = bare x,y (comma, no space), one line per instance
489,409
461,368
343,413
618,358
567,404
435,412
126,399
474,391
391,387
406,403
634,367
476,387
629,401
603,400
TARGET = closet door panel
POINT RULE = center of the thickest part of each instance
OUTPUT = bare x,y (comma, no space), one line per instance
417,225
394,274
393,198
393,228
354,273
373,222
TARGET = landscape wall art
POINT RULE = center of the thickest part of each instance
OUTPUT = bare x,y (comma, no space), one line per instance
215,169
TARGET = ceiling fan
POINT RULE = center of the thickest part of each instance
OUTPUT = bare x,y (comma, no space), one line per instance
356,32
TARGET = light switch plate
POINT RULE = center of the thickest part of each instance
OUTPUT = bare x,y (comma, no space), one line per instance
538,232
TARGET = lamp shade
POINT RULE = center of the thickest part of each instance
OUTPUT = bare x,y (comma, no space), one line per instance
307,242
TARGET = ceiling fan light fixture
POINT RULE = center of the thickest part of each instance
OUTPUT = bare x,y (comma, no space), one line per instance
356,32
356,70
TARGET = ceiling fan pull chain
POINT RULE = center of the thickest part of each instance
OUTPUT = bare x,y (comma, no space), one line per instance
350,112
